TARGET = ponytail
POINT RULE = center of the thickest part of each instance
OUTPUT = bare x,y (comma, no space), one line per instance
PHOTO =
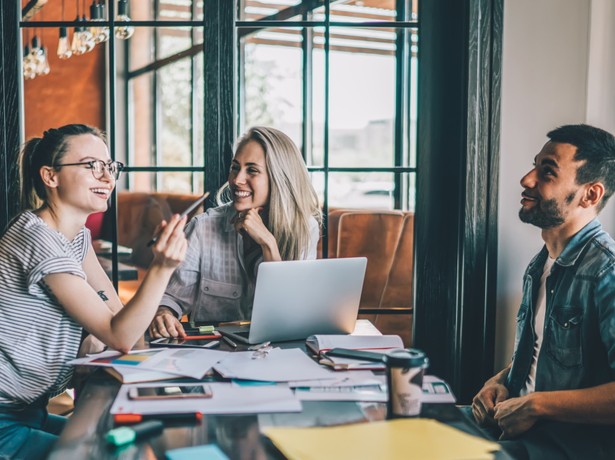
32,191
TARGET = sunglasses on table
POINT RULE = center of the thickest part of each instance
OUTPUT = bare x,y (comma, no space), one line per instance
98,168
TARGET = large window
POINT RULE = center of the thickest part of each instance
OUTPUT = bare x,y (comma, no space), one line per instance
339,78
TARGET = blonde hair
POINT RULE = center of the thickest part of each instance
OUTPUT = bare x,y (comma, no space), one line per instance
292,198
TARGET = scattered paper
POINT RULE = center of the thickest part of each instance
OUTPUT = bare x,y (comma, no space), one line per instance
184,362
275,366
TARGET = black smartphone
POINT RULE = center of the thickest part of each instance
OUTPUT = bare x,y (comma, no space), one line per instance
170,392
187,211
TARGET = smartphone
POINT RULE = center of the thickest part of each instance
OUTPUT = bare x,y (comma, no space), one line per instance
188,210
194,205
170,392
187,342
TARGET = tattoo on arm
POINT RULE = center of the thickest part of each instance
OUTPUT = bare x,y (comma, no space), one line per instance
102,295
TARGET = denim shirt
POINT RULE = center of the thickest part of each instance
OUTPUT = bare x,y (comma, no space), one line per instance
578,348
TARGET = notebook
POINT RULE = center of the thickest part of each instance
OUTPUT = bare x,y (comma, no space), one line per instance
295,299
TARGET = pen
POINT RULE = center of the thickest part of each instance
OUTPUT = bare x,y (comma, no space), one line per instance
202,337
229,341
212,344
125,419
234,323
356,354
126,435
190,208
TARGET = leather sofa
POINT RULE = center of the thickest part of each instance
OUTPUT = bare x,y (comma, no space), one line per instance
386,238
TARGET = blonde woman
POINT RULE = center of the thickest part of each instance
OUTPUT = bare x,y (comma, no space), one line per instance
270,212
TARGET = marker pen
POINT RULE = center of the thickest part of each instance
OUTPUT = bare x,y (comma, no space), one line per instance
126,419
229,341
126,435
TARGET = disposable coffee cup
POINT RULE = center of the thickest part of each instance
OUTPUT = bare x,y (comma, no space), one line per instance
405,371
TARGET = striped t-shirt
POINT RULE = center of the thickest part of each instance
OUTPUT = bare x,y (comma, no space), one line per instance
37,337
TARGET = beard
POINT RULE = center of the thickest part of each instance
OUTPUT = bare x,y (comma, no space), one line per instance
546,213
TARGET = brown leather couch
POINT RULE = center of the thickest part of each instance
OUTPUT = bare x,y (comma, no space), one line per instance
386,238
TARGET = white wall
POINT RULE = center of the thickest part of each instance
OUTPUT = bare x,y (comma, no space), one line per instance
558,68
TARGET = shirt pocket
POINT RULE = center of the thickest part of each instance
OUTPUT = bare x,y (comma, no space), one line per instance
564,336
219,301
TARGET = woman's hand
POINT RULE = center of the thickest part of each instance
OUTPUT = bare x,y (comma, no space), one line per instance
170,248
166,324
252,224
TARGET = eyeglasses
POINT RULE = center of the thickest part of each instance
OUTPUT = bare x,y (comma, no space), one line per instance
98,167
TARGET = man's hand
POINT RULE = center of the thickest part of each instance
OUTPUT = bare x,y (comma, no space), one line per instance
165,324
515,416
484,402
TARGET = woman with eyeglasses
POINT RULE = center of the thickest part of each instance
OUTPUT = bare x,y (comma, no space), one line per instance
52,285
269,211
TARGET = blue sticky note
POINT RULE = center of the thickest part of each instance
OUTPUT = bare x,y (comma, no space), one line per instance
252,383
207,452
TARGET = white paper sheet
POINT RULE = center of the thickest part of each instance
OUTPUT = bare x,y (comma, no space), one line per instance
184,362
349,386
227,398
276,366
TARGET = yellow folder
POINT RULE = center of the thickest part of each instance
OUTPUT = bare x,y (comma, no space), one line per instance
402,439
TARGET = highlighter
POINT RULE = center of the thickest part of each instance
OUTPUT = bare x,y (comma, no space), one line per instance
126,435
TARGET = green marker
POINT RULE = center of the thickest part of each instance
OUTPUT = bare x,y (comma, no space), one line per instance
127,434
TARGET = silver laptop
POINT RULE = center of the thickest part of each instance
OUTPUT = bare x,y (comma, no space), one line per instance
296,299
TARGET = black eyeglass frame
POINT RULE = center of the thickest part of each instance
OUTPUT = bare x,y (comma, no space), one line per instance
119,166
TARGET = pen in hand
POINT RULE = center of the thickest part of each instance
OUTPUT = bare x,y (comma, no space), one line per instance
190,208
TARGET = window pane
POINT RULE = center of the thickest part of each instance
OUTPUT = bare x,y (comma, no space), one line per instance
279,10
168,10
175,121
414,72
172,40
361,190
362,97
272,76
359,11
199,111
141,148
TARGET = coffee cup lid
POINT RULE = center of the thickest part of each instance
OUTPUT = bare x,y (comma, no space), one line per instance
410,357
